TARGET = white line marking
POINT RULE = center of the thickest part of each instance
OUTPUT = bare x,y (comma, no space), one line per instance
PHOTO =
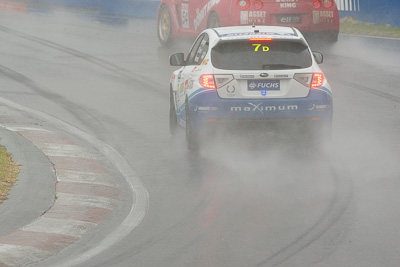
22,129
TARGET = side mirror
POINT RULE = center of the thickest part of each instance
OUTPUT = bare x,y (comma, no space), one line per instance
319,58
177,59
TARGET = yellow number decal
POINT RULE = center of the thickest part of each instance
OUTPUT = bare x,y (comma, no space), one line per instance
256,46
264,47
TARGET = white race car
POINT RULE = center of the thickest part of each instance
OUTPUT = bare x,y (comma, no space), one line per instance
261,75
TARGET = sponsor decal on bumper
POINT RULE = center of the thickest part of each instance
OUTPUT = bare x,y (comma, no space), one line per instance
209,106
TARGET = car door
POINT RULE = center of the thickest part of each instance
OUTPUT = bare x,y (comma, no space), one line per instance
191,71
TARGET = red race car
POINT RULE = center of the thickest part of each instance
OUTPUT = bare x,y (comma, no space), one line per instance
318,18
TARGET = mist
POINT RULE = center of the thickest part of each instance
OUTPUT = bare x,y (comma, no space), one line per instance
245,199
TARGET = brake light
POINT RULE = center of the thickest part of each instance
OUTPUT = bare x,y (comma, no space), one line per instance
317,80
257,4
243,4
260,39
316,4
207,81
328,3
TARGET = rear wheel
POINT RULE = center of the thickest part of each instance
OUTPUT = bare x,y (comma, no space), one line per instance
213,21
164,28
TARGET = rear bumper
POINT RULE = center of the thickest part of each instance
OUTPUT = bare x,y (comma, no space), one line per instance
206,108
303,17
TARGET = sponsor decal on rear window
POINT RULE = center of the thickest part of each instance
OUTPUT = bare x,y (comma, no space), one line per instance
264,48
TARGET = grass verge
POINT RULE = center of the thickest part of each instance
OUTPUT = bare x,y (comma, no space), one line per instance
351,26
8,173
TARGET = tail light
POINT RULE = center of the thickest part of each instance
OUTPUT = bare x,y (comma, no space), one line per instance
207,81
317,80
243,4
311,80
316,4
328,3
257,4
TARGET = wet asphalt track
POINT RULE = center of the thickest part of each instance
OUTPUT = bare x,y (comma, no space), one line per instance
237,203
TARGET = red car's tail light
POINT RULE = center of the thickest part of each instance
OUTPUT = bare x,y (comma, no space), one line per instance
316,4
328,3
257,4
243,4
317,80
207,81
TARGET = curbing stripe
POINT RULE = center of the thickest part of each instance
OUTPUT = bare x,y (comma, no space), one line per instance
62,227
77,164
88,189
137,211
84,177
43,241
12,255
85,196
89,201
38,137
79,213
66,150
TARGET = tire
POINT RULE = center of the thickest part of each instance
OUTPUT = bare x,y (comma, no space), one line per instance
173,120
164,26
213,21
192,139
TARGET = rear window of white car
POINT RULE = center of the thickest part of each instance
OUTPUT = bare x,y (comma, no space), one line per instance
260,55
